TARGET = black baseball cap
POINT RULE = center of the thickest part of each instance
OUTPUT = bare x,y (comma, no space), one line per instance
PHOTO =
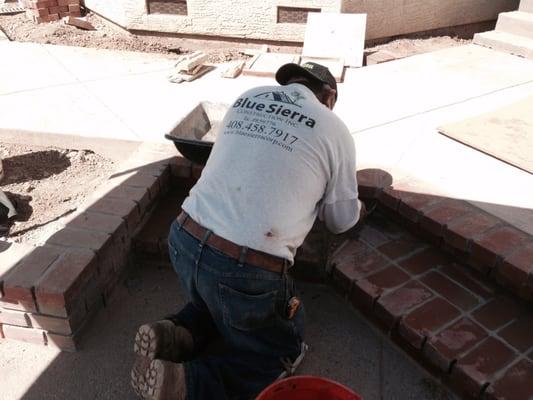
309,70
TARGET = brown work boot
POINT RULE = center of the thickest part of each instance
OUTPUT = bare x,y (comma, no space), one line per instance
164,340
161,380
138,372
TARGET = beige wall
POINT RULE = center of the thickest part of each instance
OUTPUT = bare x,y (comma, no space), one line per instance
110,9
395,17
256,19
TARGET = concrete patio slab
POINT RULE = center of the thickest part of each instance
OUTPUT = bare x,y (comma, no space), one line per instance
351,352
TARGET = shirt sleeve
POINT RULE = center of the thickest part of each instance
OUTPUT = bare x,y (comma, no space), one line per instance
340,206
341,215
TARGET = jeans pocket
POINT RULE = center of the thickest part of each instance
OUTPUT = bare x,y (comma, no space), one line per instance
247,312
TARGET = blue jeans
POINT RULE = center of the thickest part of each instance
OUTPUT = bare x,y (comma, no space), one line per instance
246,306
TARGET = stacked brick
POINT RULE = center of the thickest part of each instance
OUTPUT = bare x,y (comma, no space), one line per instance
51,10
48,294
449,317
483,242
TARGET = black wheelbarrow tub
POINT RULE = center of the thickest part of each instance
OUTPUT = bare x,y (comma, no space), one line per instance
195,134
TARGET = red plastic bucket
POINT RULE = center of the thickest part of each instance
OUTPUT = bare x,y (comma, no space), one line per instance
307,388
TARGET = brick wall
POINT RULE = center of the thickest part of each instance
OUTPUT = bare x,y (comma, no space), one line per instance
292,15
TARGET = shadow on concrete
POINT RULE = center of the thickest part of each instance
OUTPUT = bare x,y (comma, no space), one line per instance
343,346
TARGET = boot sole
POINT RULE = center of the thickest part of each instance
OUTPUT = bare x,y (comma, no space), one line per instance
138,379
146,342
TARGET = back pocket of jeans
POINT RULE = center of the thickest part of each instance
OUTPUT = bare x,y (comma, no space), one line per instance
247,312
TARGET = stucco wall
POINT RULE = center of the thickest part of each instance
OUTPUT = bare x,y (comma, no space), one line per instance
110,9
257,19
395,17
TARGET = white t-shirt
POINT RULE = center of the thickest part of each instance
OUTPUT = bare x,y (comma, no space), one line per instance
280,159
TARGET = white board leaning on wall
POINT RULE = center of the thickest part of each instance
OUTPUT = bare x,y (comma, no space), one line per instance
335,35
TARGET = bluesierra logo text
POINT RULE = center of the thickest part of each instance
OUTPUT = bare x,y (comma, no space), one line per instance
276,109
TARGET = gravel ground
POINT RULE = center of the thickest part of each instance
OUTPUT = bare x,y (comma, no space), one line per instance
47,184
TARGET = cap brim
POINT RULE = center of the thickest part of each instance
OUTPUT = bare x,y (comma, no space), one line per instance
288,71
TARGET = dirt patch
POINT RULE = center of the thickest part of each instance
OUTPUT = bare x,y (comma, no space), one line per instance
409,47
47,184
110,36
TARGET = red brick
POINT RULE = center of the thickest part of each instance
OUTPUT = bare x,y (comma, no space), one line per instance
18,286
421,323
363,295
54,10
126,209
401,247
387,227
14,317
371,182
392,306
354,266
74,8
52,3
516,384
497,313
424,261
98,222
390,198
180,167
495,244
374,237
460,232
467,278
437,218
28,335
446,347
62,284
63,9
143,180
39,12
412,204
63,342
474,370
10,255
73,238
76,14
63,326
516,269
519,334
367,290
450,290
139,195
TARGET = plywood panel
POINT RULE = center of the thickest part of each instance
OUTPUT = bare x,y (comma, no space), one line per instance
506,134
333,35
